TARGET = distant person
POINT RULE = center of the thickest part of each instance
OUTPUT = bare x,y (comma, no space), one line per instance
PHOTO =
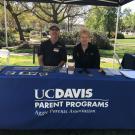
86,54
52,52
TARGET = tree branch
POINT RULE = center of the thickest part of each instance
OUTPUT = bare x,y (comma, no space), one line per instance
24,11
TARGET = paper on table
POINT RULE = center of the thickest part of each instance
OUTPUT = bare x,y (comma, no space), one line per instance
128,73
111,72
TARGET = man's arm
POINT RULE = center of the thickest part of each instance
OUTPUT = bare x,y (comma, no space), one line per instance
40,60
63,52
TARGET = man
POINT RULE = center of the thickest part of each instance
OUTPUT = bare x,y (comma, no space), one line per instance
85,54
52,52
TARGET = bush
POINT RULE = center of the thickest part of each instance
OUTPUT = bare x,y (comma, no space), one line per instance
24,45
119,35
27,30
11,39
69,38
102,41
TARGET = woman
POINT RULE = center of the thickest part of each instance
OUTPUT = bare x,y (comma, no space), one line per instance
86,54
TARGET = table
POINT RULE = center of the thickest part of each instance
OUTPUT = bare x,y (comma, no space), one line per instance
62,101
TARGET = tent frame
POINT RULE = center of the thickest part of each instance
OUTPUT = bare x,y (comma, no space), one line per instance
116,33
5,18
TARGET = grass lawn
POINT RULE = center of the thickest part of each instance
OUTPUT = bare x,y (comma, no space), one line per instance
28,61
120,50
125,41
20,61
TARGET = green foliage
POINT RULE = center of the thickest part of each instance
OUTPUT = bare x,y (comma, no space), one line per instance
119,35
102,41
128,20
101,19
27,30
94,19
69,38
110,19
11,39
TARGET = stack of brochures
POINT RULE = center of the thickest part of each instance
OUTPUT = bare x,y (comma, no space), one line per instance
111,72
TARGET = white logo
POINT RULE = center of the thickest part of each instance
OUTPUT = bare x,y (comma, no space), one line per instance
60,93
68,100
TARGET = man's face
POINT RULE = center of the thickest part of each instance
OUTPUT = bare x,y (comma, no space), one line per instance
54,32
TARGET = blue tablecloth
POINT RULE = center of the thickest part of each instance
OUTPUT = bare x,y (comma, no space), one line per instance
62,101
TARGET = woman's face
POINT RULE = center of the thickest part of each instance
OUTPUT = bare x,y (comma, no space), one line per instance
84,39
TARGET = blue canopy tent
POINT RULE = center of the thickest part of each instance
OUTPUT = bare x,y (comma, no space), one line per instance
113,3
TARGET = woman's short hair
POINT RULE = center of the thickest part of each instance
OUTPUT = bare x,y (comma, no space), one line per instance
85,31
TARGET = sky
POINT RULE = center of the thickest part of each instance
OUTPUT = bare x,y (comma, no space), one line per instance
130,5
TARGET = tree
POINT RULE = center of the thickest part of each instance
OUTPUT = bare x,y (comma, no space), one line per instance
128,19
110,20
1,18
94,19
55,13
16,10
101,19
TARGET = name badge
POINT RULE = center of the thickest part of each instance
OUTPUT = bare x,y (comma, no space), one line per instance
56,50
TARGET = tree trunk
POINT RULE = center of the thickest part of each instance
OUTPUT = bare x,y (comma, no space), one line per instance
109,34
19,27
55,17
68,24
15,16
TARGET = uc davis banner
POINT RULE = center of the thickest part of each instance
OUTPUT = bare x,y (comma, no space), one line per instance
67,101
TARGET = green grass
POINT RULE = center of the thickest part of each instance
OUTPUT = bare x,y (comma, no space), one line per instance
125,41
130,37
104,53
125,49
20,61
28,61
120,50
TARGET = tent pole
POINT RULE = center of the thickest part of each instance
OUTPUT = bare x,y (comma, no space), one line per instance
5,17
116,32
